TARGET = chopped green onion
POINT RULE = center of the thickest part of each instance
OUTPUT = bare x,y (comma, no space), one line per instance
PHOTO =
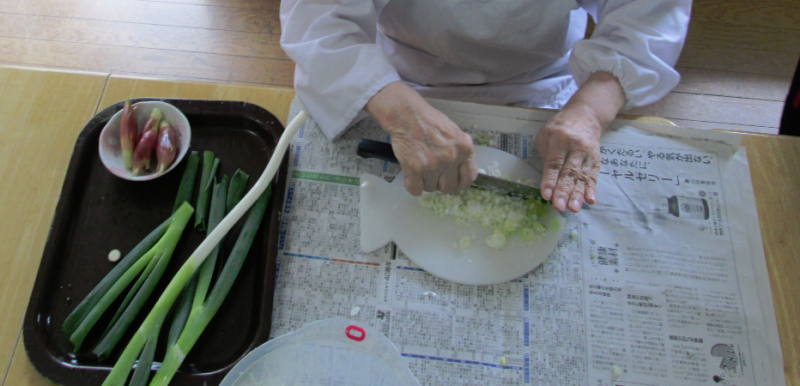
465,242
506,215
497,240
527,234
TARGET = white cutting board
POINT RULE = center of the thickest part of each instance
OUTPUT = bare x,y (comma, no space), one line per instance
389,213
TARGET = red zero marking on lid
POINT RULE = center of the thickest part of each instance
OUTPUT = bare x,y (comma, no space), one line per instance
358,335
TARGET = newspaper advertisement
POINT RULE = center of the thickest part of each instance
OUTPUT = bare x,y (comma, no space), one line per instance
662,282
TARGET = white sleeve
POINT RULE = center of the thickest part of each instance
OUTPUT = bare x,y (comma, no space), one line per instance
638,41
339,66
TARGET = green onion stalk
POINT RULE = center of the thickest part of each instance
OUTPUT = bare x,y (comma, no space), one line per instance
236,189
215,215
190,295
202,314
187,180
161,254
210,165
155,318
158,244
83,309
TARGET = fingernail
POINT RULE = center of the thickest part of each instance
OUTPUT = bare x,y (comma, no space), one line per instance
561,204
576,204
547,193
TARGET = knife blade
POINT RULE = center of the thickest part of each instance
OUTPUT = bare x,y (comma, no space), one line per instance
381,150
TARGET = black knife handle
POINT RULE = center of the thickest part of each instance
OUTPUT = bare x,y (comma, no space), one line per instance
368,148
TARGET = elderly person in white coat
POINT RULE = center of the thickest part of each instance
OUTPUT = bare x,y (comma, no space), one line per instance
384,56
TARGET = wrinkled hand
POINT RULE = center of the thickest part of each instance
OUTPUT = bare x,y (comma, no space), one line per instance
433,152
570,147
570,143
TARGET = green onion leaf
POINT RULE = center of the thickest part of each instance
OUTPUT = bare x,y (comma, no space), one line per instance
204,194
186,188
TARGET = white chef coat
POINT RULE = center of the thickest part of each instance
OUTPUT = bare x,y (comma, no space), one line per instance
510,52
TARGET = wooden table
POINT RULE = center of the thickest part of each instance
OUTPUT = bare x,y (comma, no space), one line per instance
42,112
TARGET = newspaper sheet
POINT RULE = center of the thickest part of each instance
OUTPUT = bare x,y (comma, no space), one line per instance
663,282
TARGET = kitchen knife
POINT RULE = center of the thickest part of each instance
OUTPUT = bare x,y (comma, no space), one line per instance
382,150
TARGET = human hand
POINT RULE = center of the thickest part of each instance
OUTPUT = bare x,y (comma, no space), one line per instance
570,142
433,152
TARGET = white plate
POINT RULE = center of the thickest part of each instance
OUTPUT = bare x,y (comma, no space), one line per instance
111,151
389,213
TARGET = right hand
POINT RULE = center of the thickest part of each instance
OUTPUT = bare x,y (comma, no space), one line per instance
433,152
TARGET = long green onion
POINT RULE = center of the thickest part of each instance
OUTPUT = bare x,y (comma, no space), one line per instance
186,187
202,315
183,309
185,304
131,294
236,189
213,179
90,301
189,293
215,215
202,197
161,251
95,313
129,270
142,372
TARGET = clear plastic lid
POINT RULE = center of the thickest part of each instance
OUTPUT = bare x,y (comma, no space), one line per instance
327,352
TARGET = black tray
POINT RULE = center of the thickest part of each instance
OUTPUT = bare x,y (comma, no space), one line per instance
98,212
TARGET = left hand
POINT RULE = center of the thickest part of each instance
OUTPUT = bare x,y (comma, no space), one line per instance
570,142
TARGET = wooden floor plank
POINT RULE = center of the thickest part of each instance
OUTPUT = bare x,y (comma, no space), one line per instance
22,372
146,12
113,58
248,4
273,72
709,108
142,75
118,88
33,172
156,36
738,60
723,126
744,37
768,14
734,84
17,26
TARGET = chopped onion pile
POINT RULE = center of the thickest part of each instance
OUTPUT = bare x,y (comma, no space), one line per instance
483,139
506,215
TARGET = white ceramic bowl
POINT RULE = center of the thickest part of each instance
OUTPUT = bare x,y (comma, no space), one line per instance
109,147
